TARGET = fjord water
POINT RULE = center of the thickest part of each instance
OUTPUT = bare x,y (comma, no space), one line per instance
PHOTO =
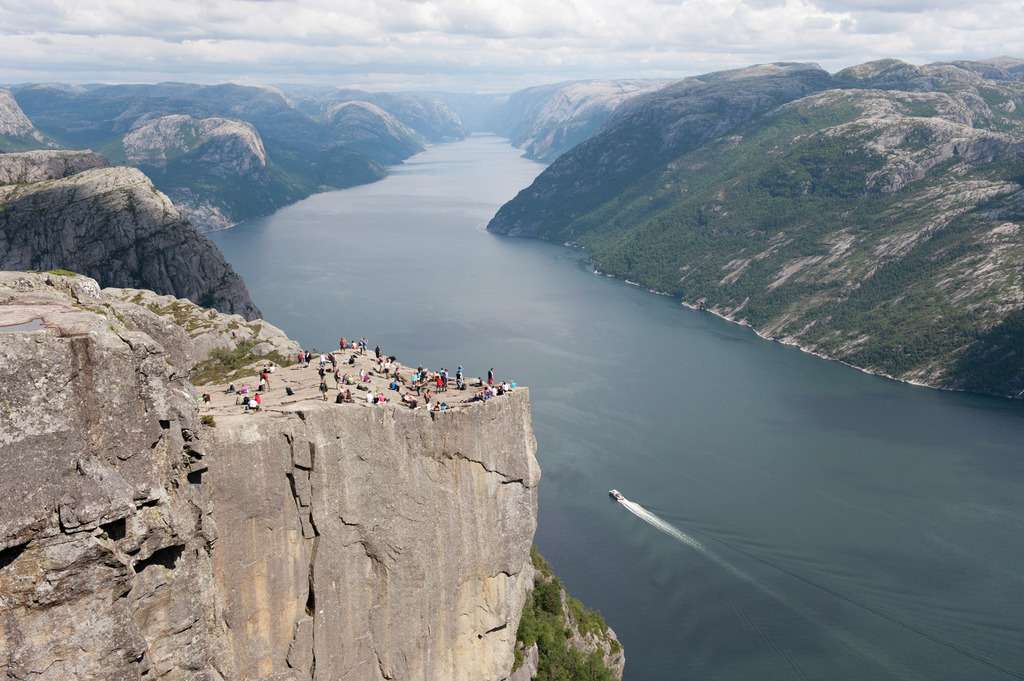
815,522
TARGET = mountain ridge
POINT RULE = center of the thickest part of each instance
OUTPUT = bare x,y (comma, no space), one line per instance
875,219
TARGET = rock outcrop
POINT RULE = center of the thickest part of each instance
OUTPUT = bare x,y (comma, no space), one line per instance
16,130
38,166
214,169
111,224
227,146
314,541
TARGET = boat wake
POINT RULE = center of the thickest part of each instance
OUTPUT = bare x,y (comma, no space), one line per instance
671,530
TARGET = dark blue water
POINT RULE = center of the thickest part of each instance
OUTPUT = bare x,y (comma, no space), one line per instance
841,526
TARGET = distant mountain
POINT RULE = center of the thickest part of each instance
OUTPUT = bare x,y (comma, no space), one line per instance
368,129
875,216
214,169
300,155
426,114
69,210
548,120
16,130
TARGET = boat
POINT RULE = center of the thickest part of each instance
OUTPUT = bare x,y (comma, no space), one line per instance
616,495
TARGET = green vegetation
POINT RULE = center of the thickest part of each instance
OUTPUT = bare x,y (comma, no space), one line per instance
224,366
208,420
62,272
792,225
544,623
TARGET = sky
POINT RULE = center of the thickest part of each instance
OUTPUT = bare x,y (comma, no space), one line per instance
479,45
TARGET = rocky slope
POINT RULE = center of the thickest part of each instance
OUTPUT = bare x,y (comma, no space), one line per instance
368,129
548,120
64,210
225,157
314,541
873,216
16,130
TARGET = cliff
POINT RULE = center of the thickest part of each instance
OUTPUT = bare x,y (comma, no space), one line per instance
64,210
308,541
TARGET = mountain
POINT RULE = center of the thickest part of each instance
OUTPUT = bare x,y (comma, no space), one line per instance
548,120
16,130
368,129
301,155
69,210
428,115
214,169
874,216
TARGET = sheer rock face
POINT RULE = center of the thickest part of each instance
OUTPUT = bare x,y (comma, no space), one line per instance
105,571
375,543
335,542
111,224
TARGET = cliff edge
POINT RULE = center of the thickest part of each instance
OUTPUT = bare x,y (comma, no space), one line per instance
314,541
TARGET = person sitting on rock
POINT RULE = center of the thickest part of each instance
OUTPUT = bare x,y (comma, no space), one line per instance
258,399
231,389
409,401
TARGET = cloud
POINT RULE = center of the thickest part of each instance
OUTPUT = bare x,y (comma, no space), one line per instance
479,44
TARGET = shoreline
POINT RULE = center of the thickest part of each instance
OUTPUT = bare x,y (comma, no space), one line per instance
795,345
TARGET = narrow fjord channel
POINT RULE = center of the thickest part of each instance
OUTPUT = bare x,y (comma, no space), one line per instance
815,522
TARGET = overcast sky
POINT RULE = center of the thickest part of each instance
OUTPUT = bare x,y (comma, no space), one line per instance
484,45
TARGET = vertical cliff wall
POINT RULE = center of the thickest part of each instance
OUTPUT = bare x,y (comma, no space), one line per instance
320,541
375,543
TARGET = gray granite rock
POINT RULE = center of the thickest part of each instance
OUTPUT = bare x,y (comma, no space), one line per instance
319,542
111,224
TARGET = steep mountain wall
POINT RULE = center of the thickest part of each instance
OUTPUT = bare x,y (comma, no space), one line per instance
60,210
314,541
873,216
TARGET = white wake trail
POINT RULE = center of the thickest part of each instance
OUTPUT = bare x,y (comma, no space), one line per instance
694,543
851,641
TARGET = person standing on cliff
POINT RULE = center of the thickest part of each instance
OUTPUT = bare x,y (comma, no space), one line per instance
490,376
323,388
376,352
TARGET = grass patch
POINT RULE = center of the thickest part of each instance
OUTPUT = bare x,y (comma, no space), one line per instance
62,272
224,366
208,421
544,623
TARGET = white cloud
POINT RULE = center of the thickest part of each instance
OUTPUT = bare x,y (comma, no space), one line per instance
480,44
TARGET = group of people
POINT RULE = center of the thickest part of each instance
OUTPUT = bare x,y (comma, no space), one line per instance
422,386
